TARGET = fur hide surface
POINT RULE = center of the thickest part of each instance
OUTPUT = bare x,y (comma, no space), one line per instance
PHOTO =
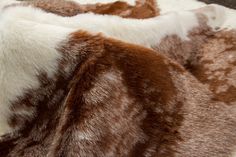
90,85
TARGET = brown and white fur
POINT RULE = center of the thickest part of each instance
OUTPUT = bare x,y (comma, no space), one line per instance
138,33
102,97
184,42
82,94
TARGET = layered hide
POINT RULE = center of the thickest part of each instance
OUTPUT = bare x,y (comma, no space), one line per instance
81,86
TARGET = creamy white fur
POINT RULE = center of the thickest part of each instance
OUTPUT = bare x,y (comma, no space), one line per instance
219,17
230,19
26,49
145,32
225,16
178,5
131,2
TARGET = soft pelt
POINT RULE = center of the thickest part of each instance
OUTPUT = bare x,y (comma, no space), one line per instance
76,86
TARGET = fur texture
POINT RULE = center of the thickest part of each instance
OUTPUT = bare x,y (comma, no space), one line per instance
113,91
186,39
84,94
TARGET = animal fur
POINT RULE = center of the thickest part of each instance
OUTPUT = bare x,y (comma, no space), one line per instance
86,94
116,100
184,42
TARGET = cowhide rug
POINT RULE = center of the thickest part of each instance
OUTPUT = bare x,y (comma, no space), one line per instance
69,88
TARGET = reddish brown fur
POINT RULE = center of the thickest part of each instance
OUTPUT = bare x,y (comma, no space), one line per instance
205,56
215,67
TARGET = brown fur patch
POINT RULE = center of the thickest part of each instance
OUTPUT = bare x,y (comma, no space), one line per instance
209,56
216,65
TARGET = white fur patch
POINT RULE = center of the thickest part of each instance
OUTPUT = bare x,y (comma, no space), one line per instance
219,16
146,32
230,18
178,5
224,18
26,49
